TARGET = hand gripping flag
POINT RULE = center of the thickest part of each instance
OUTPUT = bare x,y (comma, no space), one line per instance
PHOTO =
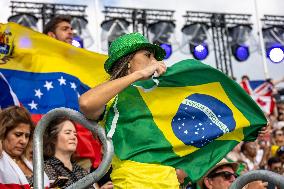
189,118
46,73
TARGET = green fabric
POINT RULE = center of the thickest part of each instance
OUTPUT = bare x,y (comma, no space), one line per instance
139,136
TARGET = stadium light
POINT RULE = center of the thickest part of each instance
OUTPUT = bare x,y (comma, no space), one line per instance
160,33
83,36
197,36
25,19
77,41
238,36
274,43
113,29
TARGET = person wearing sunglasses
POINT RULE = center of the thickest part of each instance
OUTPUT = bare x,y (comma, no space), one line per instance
221,176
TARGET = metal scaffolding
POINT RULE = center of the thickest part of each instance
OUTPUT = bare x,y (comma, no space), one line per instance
45,11
219,24
139,18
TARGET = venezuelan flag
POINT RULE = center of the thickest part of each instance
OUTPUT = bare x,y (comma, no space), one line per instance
189,118
46,73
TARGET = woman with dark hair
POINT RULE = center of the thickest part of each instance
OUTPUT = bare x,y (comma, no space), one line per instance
16,130
60,143
131,58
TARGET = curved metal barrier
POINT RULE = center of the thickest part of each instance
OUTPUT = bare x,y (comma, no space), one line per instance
91,125
268,176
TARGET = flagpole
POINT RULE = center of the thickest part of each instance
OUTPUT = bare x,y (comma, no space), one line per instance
260,35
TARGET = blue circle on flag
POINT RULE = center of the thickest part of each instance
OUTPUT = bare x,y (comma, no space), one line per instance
202,118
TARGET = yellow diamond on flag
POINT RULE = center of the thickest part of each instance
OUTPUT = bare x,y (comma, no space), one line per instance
215,121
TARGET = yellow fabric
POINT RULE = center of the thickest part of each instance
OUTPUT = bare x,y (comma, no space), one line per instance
133,175
274,148
171,104
37,52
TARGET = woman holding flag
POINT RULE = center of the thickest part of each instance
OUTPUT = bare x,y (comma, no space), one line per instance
131,58
142,152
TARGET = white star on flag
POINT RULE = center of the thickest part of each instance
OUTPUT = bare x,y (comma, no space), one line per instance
62,81
33,105
73,85
48,85
38,93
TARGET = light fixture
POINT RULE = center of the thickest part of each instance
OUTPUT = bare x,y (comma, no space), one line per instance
274,43
238,38
113,29
79,25
199,50
196,35
77,41
25,19
160,33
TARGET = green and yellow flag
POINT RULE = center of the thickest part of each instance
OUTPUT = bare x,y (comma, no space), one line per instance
189,118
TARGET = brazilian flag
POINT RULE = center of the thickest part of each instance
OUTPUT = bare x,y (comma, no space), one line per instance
189,118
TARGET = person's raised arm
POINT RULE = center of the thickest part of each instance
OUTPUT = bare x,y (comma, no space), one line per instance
92,103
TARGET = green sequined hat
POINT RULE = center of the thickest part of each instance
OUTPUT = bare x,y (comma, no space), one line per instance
130,43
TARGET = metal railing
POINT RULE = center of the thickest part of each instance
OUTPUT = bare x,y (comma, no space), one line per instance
92,126
264,175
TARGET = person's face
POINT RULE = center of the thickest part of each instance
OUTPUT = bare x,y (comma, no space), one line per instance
276,167
279,137
17,140
141,60
251,149
67,138
63,32
223,178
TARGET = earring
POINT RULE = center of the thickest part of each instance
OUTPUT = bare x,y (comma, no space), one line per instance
128,66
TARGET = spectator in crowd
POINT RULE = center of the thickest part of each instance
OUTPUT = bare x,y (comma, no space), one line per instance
16,130
274,164
221,176
278,137
248,155
280,154
60,28
60,141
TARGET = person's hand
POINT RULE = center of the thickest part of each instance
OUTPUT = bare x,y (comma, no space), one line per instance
181,175
156,67
107,185
256,185
264,130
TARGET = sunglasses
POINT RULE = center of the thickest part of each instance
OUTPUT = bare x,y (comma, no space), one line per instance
225,174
